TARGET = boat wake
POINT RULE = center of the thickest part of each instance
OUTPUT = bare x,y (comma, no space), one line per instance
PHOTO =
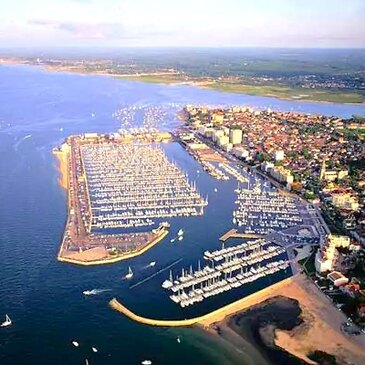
18,143
95,291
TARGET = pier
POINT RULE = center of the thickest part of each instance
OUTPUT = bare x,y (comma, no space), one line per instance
233,233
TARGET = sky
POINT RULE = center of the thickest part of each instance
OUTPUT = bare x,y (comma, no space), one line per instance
183,23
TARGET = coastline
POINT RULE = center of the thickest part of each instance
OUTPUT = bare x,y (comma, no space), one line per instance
318,317
62,159
199,84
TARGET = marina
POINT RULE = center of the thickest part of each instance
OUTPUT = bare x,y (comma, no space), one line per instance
226,269
132,184
261,211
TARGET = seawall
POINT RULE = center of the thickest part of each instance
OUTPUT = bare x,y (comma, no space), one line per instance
206,319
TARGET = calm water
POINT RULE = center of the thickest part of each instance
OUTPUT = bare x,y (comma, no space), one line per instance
44,297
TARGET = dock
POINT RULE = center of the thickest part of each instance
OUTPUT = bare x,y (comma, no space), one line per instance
233,233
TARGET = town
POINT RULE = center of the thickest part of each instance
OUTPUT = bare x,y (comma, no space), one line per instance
320,159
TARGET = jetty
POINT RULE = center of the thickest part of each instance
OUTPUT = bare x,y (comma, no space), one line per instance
207,319
233,233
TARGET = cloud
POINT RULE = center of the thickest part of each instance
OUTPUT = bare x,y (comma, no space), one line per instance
102,31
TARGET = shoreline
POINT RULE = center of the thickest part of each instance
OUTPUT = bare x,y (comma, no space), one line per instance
197,84
318,316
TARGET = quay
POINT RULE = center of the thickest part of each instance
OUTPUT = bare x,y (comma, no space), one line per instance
232,233
207,319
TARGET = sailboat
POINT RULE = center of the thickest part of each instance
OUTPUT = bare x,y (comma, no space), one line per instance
130,273
180,232
7,321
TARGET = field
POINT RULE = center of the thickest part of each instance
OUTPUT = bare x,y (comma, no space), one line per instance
277,91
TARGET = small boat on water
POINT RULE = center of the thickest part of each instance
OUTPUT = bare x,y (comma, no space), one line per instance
94,349
94,291
130,273
180,232
181,238
215,190
178,339
152,264
75,343
172,240
7,321
146,362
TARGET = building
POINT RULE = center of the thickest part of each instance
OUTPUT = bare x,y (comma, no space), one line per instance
345,201
240,152
218,133
327,254
217,118
235,136
283,175
279,155
337,278
223,140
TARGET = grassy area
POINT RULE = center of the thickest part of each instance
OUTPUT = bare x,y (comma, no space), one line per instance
308,264
277,91
352,132
286,92
157,79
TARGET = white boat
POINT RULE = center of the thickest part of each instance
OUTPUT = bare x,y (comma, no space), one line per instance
7,321
180,232
94,349
172,240
146,362
178,339
75,343
94,291
180,238
152,263
215,190
130,273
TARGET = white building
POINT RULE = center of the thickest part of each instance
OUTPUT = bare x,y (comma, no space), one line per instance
327,254
223,140
235,136
240,152
279,155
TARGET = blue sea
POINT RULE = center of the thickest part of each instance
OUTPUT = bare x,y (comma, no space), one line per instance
38,110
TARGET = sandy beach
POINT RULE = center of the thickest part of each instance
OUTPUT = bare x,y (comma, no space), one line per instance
320,328
62,159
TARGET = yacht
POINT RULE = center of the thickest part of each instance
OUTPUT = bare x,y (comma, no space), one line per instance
75,343
180,232
130,273
7,321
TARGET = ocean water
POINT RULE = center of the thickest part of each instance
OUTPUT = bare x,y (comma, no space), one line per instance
43,297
